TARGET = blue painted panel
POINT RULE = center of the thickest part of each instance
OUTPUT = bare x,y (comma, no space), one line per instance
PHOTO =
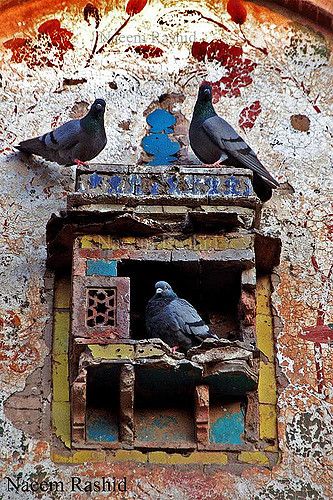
101,267
164,425
248,188
232,186
173,185
229,427
95,180
154,190
115,184
161,120
157,143
102,426
213,183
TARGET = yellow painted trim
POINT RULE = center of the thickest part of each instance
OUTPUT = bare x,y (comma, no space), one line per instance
267,391
197,457
239,243
60,378
264,331
147,352
60,383
112,351
267,419
61,421
61,332
197,242
128,456
62,294
98,241
267,383
253,457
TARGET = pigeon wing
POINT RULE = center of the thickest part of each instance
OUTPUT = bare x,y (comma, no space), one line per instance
223,135
188,320
57,144
162,323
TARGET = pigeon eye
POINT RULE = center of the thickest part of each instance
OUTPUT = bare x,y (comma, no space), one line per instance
99,106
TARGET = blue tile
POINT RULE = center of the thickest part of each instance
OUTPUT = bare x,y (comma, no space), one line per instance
101,267
95,180
228,429
102,426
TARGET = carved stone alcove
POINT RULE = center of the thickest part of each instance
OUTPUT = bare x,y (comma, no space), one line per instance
124,229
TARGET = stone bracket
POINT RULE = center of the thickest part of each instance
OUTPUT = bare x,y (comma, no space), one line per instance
78,409
202,416
126,414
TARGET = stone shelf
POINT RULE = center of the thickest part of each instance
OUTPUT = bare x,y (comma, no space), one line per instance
217,368
171,182
193,194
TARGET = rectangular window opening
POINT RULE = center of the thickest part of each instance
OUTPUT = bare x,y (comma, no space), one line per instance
102,414
164,408
211,287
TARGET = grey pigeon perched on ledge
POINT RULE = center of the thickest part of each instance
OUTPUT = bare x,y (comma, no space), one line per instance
77,141
174,320
214,140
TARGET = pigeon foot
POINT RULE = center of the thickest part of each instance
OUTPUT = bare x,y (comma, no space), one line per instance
80,163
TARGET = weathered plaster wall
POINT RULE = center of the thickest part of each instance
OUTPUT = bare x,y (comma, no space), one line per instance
277,86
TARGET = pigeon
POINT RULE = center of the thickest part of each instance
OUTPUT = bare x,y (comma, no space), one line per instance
75,142
174,320
213,140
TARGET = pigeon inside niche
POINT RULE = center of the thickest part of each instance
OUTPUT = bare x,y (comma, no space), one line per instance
174,320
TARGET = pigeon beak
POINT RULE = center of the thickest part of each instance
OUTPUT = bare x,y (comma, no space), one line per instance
159,290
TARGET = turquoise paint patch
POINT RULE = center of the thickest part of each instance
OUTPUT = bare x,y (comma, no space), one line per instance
164,421
102,428
101,267
228,429
161,120
157,143
164,428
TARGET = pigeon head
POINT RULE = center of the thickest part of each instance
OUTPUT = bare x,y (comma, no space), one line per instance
163,289
203,108
97,109
205,93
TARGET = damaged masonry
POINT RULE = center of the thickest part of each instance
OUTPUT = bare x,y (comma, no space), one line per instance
198,227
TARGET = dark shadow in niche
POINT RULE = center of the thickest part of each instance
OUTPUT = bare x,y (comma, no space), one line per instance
103,403
164,407
211,287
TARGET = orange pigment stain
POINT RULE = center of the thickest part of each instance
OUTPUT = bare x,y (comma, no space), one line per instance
41,450
265,15
34,12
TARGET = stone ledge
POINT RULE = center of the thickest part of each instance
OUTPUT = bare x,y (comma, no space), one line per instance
131,185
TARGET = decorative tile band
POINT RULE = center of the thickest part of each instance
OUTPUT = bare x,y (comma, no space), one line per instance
165,183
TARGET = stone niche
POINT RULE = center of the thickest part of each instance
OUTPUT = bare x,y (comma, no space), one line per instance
125,228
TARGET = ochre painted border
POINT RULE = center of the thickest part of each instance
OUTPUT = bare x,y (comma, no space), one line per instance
61,406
